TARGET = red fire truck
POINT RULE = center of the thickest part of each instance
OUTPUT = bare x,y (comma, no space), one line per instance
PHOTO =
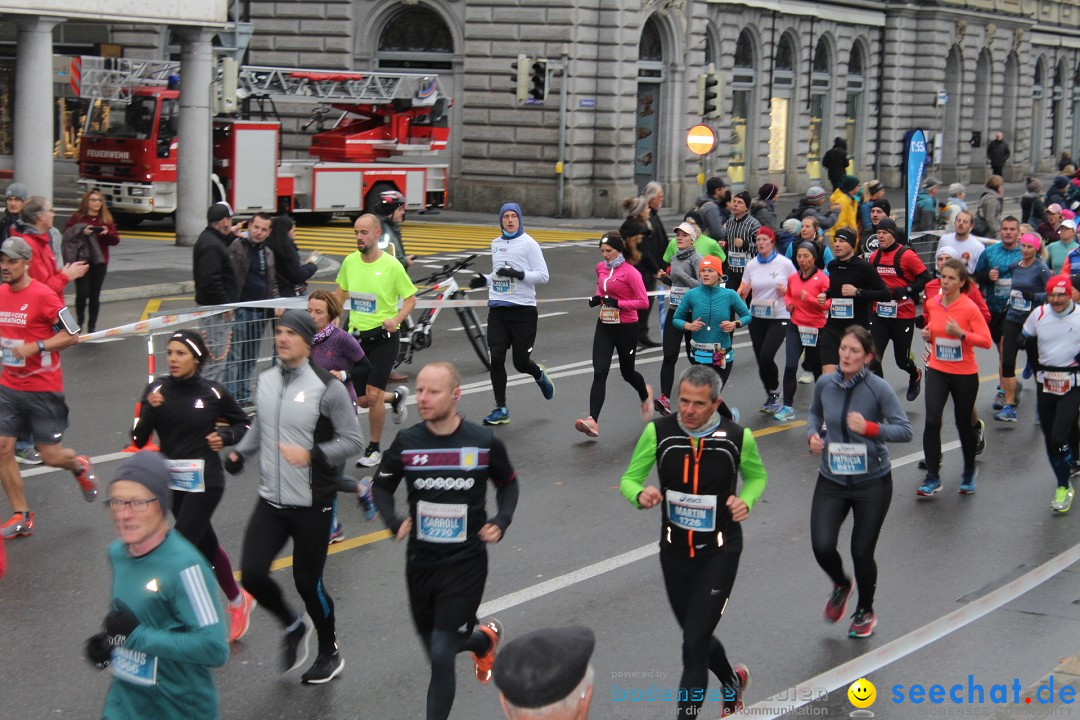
388,124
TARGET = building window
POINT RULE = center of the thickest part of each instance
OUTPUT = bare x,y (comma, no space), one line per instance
647,117
780,104
853,118
650,47
820,85
415,38
743,81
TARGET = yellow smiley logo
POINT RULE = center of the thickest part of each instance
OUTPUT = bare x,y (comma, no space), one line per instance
862,693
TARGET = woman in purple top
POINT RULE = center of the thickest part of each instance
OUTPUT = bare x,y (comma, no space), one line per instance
337,351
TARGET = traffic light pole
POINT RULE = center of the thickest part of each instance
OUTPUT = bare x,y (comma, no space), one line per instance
560,165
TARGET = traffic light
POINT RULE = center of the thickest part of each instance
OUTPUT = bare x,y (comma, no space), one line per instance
521,77
538,78
708,95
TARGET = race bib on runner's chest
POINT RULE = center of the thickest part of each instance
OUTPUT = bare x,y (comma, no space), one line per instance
676,295
691,512
842,308
609,315
187,475
441,522
808,336
134,667
362,303
736,260
1057,383
503,284
886,309
1017,301
1002,288
948,349
847,458
10,358
762,309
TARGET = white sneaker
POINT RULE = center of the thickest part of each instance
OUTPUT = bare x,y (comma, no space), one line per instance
806,379
369,459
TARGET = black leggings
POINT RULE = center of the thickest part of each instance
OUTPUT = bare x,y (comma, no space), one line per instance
444,601
900,331
698,590
767,336
964,389
621,338
1010,349
1057,417
793,348
511,328
88,287
869,503
673,339
267,532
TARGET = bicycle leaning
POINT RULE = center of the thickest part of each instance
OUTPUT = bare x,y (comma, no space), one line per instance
416,335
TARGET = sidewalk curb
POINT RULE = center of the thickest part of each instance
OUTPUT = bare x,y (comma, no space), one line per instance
142,292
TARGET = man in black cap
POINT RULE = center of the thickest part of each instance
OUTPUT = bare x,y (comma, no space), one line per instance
304,429
905,275
216,283
166,628
546,674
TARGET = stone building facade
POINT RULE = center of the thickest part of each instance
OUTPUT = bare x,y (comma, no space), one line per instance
795,75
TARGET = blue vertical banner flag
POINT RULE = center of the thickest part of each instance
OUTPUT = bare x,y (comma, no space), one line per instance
914,166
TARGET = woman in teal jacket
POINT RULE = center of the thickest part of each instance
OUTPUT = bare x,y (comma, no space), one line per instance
711,313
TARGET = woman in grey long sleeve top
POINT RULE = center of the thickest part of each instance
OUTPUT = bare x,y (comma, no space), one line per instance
862,414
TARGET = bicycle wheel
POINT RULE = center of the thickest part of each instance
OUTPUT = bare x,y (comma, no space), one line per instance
471,323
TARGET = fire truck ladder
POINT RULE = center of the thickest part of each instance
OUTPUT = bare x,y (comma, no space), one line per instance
113,79
328,87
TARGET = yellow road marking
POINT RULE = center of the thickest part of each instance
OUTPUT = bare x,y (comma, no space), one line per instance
152,306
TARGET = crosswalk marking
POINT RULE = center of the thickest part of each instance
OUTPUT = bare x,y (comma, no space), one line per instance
446,241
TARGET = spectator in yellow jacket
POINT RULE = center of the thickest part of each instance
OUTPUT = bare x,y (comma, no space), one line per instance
845,197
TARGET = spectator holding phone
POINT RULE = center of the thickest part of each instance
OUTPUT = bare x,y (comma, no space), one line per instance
88,235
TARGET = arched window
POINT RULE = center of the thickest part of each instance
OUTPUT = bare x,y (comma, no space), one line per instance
854,114
710,50
651,47
820,87
743,82
783,94
415,38
1038,123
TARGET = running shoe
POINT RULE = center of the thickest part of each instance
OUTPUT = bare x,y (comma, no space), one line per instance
742,683
365,499
19,524
587,426
326,668
86,479
546,386
862,624
295,645
370,458
914,386
28,456
785,414
836,606
647,342
931,485
967,486
922,464
498,416
397,406
806,379
337,534
1063,497
999,399
1028,371
773,404
240,616
1006,414
980,437
494,630
663,405
647,405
